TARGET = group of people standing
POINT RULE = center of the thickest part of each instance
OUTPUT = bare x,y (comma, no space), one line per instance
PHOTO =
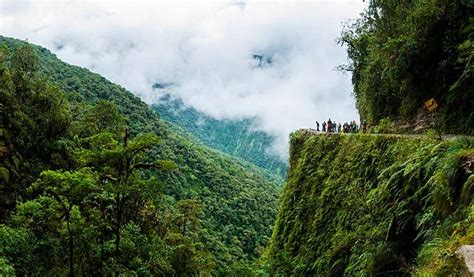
333,127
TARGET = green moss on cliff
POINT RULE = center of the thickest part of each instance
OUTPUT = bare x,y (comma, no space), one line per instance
368,205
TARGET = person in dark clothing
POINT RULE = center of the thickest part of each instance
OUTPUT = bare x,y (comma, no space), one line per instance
329,126
324,126
354,127
339,127
317,126
346,127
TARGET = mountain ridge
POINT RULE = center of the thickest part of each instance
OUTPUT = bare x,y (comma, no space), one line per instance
235,137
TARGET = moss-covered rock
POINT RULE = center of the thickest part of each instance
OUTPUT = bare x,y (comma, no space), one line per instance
372,204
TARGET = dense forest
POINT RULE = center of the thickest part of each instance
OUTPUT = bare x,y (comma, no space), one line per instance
235,137
374,205
93,183
404,52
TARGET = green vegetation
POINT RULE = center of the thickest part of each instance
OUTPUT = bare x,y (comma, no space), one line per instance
93,183
403,53
366,205
235,137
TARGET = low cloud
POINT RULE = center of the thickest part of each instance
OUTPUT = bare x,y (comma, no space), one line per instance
274,61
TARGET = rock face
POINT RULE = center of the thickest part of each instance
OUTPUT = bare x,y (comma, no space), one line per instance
466,252
423,121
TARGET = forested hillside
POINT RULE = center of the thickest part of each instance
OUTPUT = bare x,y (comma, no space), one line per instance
92,182
374,205
403,53
235,137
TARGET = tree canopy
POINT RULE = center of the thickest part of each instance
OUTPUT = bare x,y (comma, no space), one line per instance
403,53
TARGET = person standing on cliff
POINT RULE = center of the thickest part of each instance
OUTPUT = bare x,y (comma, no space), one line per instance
329,126
324,126
354,127
317,126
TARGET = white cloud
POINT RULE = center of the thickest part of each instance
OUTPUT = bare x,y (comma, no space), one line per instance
206,49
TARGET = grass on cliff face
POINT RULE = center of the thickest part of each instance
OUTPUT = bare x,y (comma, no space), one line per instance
373,205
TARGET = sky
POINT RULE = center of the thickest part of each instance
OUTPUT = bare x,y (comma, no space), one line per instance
274,61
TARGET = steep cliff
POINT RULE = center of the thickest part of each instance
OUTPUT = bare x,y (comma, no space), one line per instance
374,204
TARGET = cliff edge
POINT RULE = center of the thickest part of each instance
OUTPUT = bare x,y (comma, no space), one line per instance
374,205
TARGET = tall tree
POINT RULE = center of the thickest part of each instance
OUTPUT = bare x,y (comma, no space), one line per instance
121,164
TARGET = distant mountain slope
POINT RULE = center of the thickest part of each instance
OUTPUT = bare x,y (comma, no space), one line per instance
235,137
240,199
